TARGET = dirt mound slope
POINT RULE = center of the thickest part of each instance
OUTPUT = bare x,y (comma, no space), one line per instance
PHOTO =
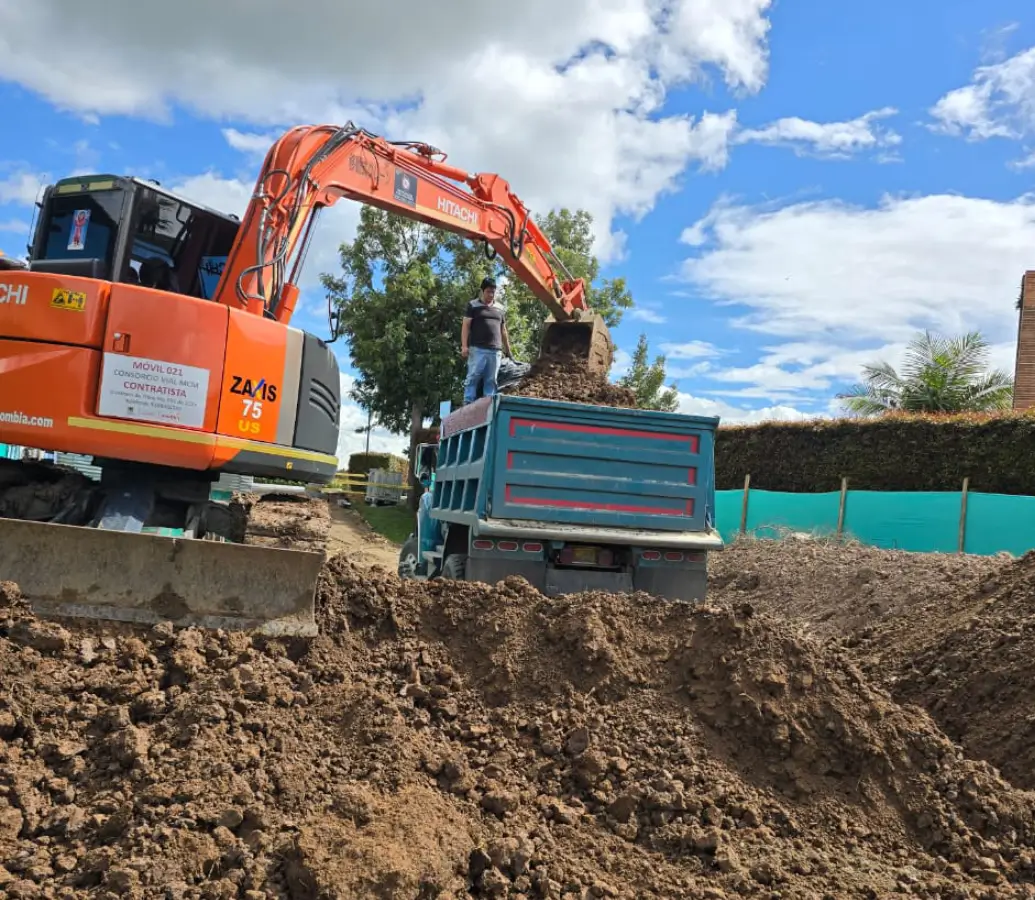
453,740
562,375
845,591
971,664
952,634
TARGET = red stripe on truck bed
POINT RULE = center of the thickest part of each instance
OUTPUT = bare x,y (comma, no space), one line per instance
589,504
691,439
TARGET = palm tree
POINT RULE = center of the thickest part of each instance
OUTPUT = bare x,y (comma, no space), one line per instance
938,374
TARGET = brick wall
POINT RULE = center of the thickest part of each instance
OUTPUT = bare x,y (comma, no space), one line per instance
1024,367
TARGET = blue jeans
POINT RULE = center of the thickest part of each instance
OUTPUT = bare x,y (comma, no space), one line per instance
482,368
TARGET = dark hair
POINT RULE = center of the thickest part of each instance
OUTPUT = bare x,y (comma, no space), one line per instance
488,283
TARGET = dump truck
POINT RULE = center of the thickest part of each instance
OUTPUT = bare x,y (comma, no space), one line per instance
570,496
154,335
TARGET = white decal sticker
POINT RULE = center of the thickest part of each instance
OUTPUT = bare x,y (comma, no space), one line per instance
150,390
18,294
19,418
77,233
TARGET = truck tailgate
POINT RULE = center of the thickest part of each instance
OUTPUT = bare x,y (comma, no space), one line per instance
601,466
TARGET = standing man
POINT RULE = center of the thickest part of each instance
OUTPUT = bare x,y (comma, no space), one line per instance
482,338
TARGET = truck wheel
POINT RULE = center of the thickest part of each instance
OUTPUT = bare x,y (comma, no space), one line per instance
455,567
408,559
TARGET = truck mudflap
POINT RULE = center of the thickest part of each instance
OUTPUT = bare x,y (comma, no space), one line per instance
92,573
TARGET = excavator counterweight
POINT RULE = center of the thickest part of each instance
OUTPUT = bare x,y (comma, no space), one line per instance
153,336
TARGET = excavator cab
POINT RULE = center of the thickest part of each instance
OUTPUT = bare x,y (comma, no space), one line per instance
131,231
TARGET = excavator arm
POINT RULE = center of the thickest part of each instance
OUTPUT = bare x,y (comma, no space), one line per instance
311,167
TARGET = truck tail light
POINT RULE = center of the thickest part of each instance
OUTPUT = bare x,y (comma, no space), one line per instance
532,547
651,555
482,545
673,556
508,546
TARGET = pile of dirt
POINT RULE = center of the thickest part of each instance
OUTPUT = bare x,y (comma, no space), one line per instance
564,376
971,663
286,521
453,740
952,634
845,591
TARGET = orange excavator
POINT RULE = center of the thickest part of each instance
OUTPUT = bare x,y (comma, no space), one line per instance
154,335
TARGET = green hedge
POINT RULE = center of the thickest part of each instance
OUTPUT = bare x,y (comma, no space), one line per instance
362,463
895,453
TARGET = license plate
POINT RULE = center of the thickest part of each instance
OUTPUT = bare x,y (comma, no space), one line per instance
586,555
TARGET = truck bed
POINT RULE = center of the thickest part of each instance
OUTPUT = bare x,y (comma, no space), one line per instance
525,459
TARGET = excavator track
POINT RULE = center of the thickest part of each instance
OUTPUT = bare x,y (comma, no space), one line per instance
252,564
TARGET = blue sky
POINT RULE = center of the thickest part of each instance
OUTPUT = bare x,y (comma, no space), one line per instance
790,189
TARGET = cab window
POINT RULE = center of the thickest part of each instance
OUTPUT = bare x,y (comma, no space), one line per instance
176,247
83,226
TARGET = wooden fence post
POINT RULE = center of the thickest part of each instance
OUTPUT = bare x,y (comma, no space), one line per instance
841,507
963,515
744,504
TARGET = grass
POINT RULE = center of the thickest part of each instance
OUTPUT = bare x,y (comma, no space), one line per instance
392,522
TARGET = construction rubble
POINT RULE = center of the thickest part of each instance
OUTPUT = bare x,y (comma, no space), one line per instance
448,740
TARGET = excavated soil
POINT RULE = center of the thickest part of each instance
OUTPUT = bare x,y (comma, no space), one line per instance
953,634
838,590
287,521
454,740
564,376
971,663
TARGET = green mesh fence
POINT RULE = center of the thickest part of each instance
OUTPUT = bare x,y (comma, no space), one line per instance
919,522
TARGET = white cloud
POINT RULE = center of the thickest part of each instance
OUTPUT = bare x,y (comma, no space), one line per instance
828,269
650,316
22,188
1026,162
844,285
564,100
741,415
835,140
250,143
690,350
998,102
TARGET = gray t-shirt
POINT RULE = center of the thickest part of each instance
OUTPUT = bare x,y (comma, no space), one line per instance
486,325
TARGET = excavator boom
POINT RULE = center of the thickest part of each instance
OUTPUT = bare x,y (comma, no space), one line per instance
314,166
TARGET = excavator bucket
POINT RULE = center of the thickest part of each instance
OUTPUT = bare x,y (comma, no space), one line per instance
68,570
586,338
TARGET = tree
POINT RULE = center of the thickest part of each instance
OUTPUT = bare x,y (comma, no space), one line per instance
647,381
938,374
570,234
400,301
